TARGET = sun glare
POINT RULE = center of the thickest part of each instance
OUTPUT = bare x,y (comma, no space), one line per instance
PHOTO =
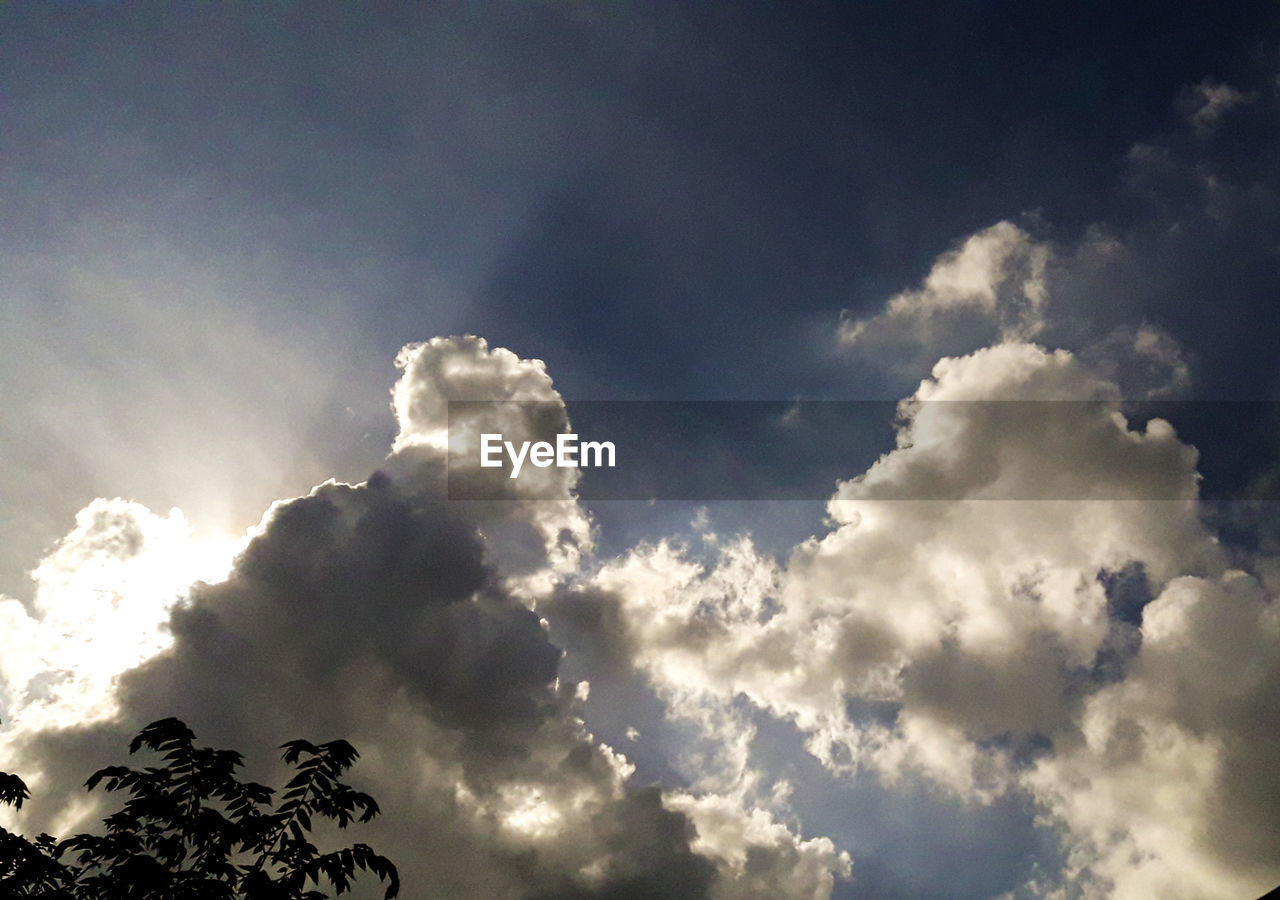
102,603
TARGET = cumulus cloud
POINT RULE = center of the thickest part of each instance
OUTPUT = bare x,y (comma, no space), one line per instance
997,609
765,857
448,369
1104,659
1144,362
383,612
1204,105
1100,656
532,544
1001,285
991,286
1169,786
102,595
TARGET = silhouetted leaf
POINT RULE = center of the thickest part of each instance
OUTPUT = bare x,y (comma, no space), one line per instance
183,824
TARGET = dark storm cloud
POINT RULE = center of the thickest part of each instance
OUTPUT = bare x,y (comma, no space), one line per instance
355,572
593,624
356,593
385,613
659,865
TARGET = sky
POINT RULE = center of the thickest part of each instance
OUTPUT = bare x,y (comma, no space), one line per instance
249,253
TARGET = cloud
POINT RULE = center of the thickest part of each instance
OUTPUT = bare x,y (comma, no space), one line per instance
381,612
1169,787
995,648
1196,218
1099,656
1144,362
102,596
533,544
1103,660
1003,286
766,858
446,369
1106,659
991,286
1204,105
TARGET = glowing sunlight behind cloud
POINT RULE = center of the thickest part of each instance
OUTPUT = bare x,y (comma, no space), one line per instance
102,602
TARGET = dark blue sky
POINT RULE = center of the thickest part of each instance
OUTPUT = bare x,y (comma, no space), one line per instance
645,196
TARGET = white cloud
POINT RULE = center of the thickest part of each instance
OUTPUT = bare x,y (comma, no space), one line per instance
1170,788
462,368
973,641
534,544
761,856
992,285
103,596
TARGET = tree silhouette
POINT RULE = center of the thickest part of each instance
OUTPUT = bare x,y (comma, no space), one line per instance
191,830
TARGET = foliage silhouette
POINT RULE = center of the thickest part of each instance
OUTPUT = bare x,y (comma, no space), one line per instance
191,830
